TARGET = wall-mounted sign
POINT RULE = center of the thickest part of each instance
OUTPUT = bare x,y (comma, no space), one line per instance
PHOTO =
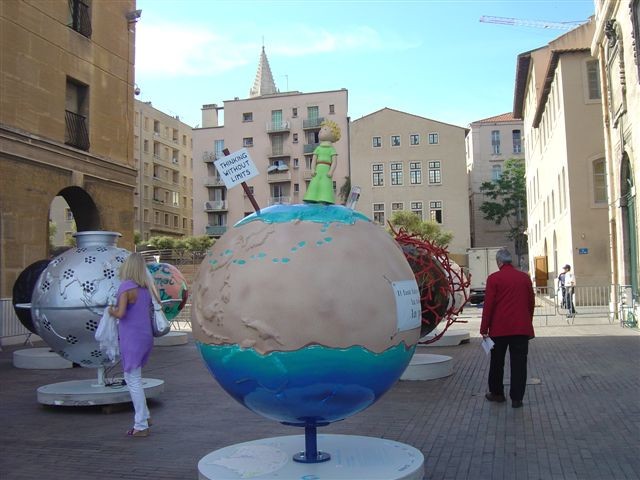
583,251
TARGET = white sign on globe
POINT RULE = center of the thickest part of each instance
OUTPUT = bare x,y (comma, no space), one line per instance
236,168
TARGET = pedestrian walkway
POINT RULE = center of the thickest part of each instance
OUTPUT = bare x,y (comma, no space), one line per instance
580,420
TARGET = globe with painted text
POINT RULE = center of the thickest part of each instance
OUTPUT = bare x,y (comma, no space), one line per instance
306,314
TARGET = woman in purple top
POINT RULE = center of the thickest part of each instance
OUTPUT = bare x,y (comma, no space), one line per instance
133,308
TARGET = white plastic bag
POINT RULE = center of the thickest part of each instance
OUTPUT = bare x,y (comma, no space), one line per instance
159,323
107,335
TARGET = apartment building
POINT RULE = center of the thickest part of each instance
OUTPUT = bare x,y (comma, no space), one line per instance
490,142
616,44
403,161
280,132
557,94
162,151
66,122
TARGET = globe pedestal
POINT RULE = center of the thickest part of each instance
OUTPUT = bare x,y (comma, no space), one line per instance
41,358
427,366
90,392
352,456
451,338
171,339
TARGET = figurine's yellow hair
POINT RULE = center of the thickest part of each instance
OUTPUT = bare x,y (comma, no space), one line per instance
335,129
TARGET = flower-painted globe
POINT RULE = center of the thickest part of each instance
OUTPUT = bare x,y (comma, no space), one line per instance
306,314
171,286
71,294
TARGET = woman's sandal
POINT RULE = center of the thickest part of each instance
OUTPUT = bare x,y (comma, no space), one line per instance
138,433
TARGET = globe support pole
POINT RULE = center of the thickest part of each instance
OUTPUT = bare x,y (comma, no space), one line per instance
311,453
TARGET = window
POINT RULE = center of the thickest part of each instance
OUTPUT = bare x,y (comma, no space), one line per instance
378,174
294,112
433,139
496,172
68,215
145,215
397,206
296,163
175,221
76,131
146,146
378,213
184,140
395,140
435,175
308,161
516,136
296,188
332,109
414,139
80,17
247,117
599,181
377,142
295,138
415,173
396,173
416,207
218,147
156,128
435,211
593,80
247,142
166,219
495,142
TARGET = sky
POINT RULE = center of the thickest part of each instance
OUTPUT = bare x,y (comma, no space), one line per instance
432,58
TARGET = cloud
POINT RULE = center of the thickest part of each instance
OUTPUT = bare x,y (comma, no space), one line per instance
171,49
195,50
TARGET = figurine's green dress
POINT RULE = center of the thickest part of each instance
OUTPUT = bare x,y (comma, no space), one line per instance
321,185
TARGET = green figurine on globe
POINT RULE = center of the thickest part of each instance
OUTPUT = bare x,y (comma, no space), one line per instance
324,163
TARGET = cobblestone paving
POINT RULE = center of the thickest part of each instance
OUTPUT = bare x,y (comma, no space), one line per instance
580,420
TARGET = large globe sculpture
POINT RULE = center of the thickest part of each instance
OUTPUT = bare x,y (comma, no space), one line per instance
306,314
23,292
171,286
70,296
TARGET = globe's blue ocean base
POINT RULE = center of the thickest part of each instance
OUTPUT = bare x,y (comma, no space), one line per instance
309,385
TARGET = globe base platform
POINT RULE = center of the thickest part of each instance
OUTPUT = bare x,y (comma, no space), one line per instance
352,456
41,358
427,366
451,338
82,393
171,339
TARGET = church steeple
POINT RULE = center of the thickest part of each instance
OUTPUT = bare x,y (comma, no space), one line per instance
263,84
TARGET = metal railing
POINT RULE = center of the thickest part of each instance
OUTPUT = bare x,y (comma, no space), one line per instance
76,133
10,325
590,301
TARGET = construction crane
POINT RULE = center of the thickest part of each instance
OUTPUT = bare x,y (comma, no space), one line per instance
531,23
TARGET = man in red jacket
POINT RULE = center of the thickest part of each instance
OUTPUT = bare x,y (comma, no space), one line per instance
507,317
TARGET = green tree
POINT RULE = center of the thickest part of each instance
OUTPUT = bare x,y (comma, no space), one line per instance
53,229
508,203
425,229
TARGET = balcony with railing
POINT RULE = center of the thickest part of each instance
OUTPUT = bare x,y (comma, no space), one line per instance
214,181
279,200
215,206
277,176
279,152
307,174
278,127
76,133
210,157
216,230
80,17
308,148
312,123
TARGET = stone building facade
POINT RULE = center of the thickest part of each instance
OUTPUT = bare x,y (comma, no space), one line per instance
66,123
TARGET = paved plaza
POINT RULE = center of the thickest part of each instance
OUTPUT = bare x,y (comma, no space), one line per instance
580,420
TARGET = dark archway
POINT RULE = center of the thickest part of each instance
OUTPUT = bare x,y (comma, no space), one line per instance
85,212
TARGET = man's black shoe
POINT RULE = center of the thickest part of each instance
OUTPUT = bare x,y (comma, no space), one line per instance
494,398
516,403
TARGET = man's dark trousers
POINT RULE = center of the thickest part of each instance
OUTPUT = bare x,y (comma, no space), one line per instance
518,349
